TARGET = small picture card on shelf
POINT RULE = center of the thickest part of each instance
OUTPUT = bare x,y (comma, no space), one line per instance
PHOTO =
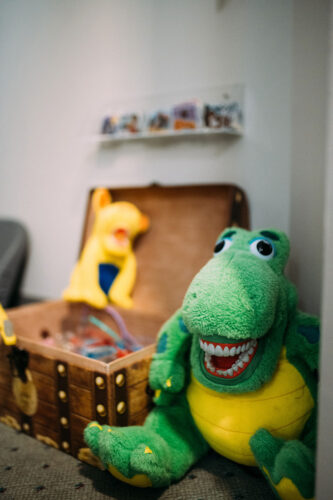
158,121
110,125
186,115
130,123
222,116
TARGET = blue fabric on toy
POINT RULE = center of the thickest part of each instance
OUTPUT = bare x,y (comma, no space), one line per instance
311,333
182,326
107,275
162,343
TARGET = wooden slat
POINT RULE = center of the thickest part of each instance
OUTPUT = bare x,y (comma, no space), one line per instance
138,398
139,418
45,386
80,401
46,433
41,364
78,424
7,400
47,414
138,372
78,376
4,361
6,380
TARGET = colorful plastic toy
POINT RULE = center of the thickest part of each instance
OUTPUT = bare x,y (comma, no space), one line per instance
235,370
107,267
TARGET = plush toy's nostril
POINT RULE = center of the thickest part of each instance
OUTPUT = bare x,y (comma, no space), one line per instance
194,295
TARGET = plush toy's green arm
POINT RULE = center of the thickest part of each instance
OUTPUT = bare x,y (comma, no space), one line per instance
170,362
302,344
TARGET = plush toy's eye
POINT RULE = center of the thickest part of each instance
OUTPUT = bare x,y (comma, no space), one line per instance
263,249
222,245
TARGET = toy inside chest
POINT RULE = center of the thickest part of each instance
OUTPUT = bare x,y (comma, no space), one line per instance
62,389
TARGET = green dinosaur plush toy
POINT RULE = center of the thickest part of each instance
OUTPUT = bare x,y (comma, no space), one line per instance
235,370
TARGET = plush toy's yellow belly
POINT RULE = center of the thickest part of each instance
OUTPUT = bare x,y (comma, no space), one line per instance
227,421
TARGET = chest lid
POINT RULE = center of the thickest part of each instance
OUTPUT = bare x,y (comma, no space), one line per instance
184,224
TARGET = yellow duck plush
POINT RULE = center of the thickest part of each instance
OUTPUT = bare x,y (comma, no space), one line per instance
106,270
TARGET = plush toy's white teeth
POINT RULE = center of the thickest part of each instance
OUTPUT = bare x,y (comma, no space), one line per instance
220,350
243,352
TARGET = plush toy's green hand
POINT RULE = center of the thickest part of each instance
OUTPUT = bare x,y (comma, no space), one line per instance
170,362
167,375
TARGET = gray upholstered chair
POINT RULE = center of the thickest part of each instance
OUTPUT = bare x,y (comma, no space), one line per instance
13,254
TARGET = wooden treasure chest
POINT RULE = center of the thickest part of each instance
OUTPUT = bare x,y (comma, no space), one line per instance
51,393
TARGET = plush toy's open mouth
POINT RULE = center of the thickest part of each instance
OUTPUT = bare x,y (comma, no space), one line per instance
228,360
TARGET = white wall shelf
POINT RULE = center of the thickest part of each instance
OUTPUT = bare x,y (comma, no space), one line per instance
107,138
206,112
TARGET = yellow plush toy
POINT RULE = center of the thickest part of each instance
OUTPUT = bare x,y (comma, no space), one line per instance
106,269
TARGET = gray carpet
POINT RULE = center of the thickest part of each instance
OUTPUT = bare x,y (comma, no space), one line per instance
30,470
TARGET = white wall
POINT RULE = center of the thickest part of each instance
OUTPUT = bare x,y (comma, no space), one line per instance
308,119
63,62
325,437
